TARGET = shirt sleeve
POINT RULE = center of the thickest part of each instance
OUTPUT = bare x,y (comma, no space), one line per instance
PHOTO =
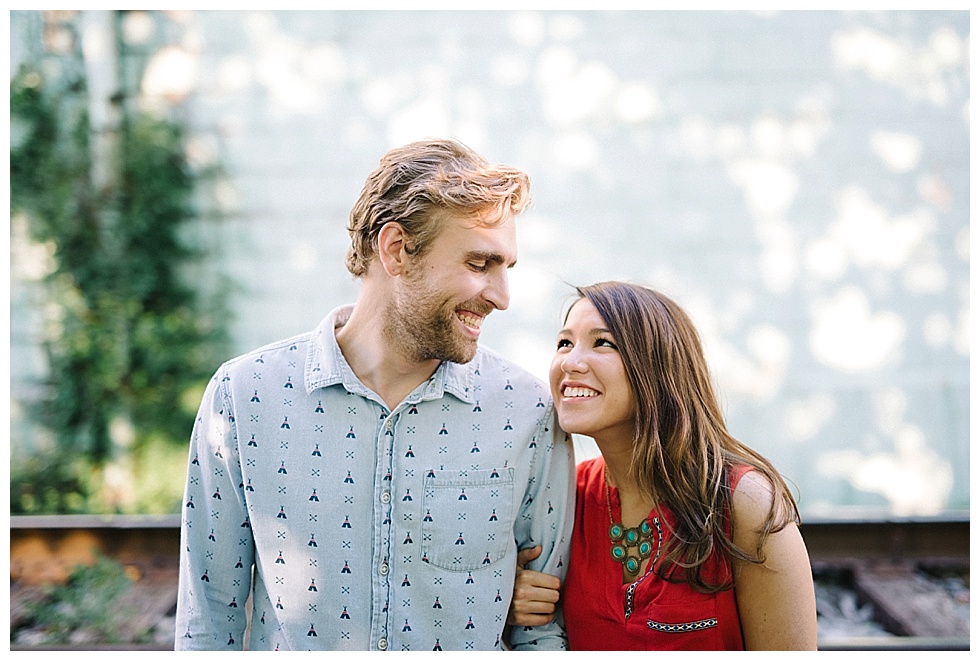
217,548
545,520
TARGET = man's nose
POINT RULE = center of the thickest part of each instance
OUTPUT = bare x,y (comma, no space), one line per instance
497,292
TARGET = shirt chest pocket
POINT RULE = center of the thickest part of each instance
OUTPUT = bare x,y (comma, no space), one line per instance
466,523
683,619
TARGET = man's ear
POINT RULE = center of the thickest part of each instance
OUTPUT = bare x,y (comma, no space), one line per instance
392,240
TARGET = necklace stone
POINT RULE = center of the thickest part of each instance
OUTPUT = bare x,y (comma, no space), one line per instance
625,539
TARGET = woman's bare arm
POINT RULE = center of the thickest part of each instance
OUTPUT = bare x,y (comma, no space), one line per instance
775,599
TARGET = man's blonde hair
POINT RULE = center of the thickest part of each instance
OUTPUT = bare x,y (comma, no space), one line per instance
416,184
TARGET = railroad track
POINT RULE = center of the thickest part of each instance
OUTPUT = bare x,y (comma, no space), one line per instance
895,567
883,561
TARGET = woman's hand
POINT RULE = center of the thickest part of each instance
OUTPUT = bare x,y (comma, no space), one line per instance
535,594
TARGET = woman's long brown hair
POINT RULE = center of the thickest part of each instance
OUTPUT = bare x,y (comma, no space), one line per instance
682,451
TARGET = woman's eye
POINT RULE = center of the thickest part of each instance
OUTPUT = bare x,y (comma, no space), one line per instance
603,342
564,343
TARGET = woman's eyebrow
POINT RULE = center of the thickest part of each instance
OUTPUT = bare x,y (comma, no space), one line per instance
593,332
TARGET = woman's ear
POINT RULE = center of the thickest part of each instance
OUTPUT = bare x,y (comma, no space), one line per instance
392,240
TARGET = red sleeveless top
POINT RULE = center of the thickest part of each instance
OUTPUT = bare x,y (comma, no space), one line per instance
603,613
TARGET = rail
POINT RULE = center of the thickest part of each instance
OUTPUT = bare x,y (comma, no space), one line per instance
882,559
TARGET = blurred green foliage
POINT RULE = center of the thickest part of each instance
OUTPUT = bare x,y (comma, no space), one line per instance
48,483
128,341
87,606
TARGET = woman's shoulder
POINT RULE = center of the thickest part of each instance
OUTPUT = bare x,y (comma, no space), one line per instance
752,495
590,474
736,472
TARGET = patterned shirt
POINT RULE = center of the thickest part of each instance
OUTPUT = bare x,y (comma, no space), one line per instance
356,527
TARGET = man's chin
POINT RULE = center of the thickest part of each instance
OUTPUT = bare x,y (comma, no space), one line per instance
461,360
460,353
463,352
463,355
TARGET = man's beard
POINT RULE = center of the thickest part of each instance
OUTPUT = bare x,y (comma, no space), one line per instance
423,324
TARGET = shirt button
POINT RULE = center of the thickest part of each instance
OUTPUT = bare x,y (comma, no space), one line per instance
383,569
383,644
385,497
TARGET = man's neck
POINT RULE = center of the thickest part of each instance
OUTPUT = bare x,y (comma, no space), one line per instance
377,362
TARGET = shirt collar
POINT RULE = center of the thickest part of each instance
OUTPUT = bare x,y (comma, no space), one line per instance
326,366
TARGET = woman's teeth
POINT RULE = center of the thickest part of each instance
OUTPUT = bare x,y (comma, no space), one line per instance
580,392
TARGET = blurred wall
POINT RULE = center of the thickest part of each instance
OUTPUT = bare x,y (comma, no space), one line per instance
798,180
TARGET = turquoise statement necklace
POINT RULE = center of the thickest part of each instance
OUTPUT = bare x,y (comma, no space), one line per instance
631,546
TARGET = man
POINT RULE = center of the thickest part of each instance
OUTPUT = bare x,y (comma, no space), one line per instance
370,483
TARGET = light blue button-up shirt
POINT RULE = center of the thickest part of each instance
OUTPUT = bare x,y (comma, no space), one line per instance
355,527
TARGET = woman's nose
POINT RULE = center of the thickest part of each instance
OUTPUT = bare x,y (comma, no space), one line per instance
572,362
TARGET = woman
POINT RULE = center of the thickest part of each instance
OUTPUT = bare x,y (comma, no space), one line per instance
684,537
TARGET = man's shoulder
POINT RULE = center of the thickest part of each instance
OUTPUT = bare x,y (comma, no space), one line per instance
287,351
489,364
